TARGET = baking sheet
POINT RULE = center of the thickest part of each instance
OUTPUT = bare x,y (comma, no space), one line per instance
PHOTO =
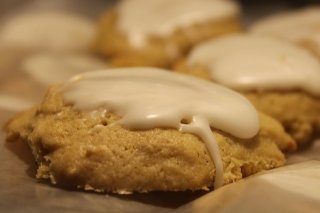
293,188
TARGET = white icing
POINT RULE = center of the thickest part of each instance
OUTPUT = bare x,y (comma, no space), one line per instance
141,18
294,26
51,68
54,30
148,98
248,62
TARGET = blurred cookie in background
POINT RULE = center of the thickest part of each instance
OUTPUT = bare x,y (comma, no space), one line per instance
278,77
41,46
30,78
14,104
13,82
300,26
154,33
49,30
53,68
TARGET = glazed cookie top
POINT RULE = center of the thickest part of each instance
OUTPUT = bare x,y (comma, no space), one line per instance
140,18
54,30
148,98
295,26
249,62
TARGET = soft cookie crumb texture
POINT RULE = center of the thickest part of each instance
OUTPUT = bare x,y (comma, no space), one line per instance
91,151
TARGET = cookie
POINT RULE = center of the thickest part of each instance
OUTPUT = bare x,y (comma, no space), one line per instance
299,26
11,103
163,30
279,78
15,84
52,68
32,71
122,131
47,30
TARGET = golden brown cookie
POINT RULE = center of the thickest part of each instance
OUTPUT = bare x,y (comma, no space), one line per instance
91,150
289,100
51,30
163,31
300,26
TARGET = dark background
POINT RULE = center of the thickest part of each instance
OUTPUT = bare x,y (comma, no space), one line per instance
247,5
252,9
255,9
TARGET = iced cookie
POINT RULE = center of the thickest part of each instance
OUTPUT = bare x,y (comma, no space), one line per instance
146,129
13,82
48,30
154,33
14,104
27,75
53,68
300,26
279,78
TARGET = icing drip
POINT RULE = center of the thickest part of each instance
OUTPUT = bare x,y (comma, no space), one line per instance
248,62
165,16
148,98
200,127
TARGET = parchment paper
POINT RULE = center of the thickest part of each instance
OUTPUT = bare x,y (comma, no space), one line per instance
292,188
